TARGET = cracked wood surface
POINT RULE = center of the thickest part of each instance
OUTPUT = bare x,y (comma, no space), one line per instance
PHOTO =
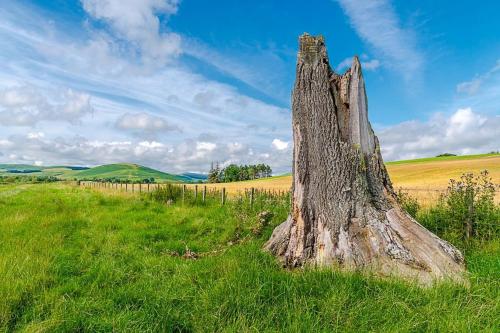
344,209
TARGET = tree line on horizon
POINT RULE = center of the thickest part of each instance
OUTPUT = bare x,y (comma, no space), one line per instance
233,172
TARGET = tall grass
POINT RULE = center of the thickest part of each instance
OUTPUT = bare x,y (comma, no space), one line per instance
75,259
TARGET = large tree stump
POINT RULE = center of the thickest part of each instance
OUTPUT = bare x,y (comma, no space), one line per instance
344,209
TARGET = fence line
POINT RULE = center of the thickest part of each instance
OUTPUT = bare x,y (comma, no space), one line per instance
250,194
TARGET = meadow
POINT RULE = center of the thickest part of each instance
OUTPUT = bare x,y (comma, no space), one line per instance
80,259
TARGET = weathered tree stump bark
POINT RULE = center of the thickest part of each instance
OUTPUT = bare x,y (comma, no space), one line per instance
344,209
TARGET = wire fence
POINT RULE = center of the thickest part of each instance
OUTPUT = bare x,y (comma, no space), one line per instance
193,193
425,196
441,222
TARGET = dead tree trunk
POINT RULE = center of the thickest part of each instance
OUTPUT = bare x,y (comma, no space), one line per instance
344,209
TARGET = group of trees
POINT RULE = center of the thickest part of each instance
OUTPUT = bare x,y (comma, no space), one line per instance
27,179
233,172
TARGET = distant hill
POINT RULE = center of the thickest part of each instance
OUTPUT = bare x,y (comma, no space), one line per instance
130,172
124,171
195,176
18,167
33,170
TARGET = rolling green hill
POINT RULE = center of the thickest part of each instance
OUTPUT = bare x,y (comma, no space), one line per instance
128,171
122,171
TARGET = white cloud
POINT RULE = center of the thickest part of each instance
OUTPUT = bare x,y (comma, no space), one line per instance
144,124
145,147
5,143
279,144
36,135
208,146
377,23
38,163
26,106
188,155
463,122
464,132
151,145
137,22
235,147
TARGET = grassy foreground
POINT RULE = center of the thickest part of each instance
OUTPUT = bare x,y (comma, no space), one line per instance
75,259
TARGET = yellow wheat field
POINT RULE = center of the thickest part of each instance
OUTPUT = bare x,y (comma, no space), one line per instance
423,180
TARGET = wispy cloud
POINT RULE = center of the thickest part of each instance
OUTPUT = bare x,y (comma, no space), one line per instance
473,86
128,100
136,24
262,69
377,23
366,64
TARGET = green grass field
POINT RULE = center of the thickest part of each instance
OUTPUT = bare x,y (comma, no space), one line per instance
74,259
128,171
445,158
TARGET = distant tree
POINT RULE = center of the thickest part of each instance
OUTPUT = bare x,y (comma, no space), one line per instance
231,173
214,173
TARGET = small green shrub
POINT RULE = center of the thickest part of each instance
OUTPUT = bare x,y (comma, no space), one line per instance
166,193
409,203
466,211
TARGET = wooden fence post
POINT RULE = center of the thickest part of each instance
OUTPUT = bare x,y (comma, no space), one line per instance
223,196
148,187
183,193
196,193
252,194
204,194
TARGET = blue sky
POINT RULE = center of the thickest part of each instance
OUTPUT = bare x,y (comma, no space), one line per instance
177,84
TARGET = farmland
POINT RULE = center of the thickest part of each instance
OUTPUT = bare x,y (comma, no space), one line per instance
422,178
76,259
